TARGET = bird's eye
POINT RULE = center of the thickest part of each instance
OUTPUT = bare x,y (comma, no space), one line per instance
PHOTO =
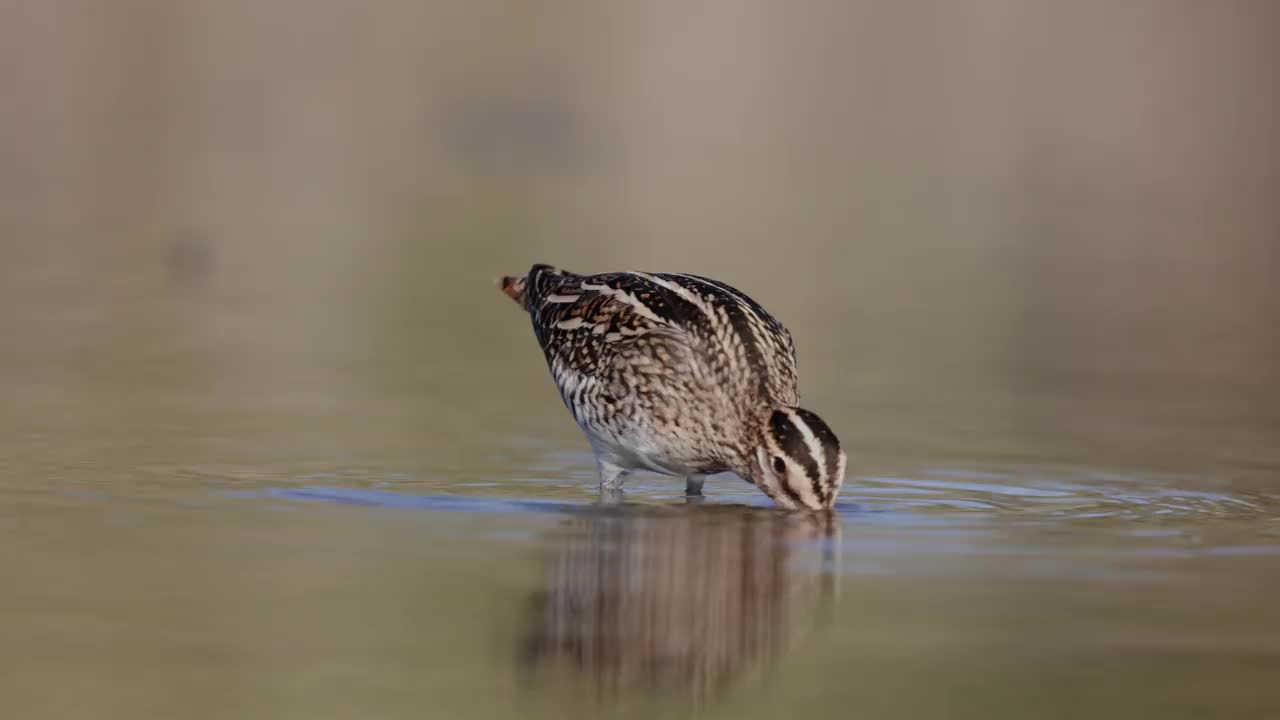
779,465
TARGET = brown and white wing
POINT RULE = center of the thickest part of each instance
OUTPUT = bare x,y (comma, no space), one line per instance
669,324
745,332
608,338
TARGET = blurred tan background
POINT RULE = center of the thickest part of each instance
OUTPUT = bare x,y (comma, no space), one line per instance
998,228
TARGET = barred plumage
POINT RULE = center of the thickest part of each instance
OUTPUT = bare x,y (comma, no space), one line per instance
682,375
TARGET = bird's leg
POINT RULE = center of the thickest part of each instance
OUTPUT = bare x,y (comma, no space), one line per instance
612,496
693,484
611,476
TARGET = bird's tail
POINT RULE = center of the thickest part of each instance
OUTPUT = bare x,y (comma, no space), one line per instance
524,289
516,288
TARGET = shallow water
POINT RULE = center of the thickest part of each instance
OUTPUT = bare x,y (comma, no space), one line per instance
336,589
211,508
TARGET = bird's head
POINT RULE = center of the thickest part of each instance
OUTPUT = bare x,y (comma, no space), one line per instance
798,461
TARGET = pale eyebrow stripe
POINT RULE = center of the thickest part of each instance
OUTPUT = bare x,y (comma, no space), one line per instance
815,449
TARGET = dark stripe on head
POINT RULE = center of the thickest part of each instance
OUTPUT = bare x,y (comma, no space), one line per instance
830,443
791,441
785,488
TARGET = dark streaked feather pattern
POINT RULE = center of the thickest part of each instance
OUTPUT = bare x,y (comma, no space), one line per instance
676,364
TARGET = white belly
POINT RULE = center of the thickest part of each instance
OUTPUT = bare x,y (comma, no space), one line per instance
637,451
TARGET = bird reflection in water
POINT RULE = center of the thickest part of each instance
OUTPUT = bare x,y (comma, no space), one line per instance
679,600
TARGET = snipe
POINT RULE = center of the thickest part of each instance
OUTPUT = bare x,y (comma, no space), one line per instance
681,375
